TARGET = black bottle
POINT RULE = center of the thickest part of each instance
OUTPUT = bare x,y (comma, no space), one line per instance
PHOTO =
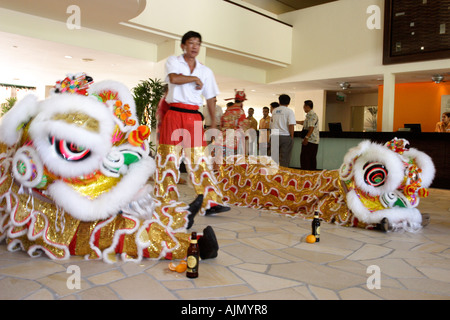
316,226
193,254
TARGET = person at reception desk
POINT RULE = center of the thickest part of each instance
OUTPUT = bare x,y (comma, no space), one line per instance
282,128
444,125
310,143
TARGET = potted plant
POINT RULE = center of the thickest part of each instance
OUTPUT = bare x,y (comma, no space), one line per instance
6,106
147,95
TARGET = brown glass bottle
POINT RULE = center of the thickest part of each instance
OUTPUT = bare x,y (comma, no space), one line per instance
316,226
193,256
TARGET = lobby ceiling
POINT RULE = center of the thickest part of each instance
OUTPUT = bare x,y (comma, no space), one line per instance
282,6
25,60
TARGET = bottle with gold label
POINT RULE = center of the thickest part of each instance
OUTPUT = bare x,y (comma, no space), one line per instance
316,226
193,255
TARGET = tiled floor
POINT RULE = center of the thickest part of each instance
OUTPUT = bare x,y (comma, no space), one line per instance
262,256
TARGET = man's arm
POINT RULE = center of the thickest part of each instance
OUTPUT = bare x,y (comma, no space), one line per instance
291,130
211,104
182,79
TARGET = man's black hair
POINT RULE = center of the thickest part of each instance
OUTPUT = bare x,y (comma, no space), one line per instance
284,99
309,103
190,34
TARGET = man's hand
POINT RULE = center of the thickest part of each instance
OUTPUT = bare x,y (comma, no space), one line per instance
305,141
199,83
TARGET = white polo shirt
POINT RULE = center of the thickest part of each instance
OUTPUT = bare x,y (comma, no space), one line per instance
187,93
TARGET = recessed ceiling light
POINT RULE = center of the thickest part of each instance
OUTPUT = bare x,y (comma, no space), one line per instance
68,57
437,78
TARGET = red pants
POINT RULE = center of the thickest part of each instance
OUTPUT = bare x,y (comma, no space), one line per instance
182,127
181,139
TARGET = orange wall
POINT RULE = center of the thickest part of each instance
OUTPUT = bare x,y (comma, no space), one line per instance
415,103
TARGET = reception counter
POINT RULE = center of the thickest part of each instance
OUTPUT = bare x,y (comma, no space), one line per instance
333,147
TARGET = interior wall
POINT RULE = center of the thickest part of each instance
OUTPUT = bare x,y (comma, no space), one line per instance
341,111
416,103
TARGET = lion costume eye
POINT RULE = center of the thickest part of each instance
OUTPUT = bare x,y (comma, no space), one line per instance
375,174
69,150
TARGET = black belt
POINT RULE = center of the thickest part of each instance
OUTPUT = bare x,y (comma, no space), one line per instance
187,111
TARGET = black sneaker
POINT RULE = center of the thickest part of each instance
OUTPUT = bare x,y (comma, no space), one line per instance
194,208
384,225
216,209
425,219
208,244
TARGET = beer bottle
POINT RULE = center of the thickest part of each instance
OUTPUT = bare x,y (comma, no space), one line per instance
316,226
193,254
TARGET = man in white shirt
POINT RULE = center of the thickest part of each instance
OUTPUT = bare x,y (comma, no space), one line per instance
282,128
182,135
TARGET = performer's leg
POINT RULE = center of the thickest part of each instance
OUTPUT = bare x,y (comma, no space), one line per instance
167,173
204,181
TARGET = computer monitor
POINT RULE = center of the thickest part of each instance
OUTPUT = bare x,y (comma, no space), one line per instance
335,126
415,127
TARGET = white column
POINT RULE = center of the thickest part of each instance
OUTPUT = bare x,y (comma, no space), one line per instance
388,102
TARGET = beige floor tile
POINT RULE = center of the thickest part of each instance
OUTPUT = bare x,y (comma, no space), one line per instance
13,288
323,294
436,273
317,275
283,294
357,294
98,293
184,283
351,266
427,285
252,255
323,247
399,294
263,244
262,282
287,239
215,292
42,294
213,275
429,262
106,277
261,268
310,255
369,251
33,269
225,259
141,287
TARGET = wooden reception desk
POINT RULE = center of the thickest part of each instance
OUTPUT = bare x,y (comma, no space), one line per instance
333,147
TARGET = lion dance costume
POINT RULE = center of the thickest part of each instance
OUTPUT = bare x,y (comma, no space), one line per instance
377,186
73,178
74,171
